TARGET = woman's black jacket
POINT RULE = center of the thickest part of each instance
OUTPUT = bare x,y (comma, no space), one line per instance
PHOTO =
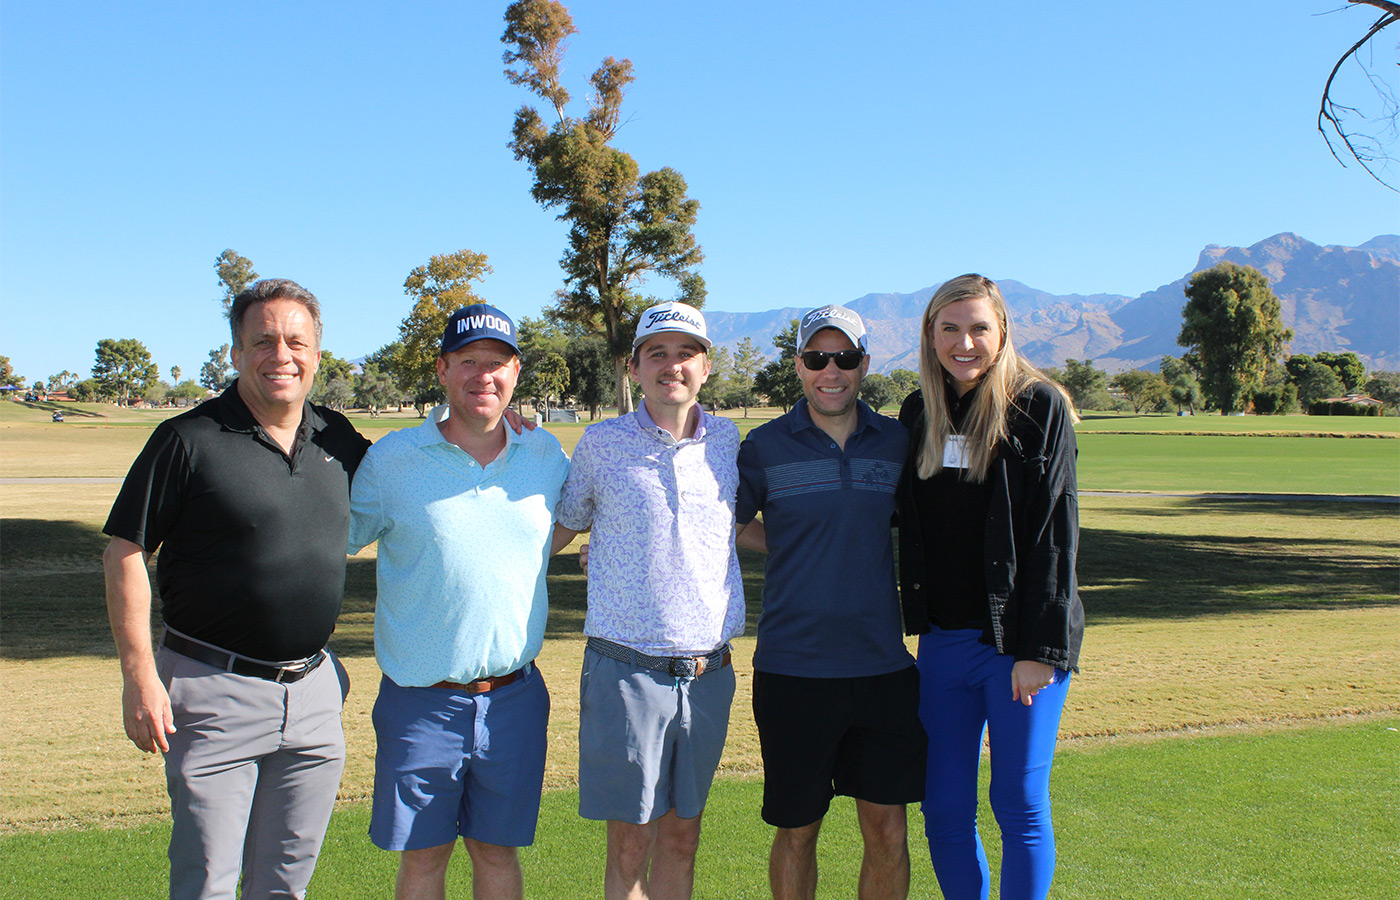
1032,533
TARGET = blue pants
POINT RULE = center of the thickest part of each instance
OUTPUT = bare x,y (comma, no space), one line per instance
964,691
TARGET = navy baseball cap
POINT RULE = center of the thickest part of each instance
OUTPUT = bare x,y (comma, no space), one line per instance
478,322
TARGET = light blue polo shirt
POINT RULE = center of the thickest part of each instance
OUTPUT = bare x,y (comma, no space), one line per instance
462,551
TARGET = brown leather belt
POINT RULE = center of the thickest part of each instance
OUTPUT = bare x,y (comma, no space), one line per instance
482,685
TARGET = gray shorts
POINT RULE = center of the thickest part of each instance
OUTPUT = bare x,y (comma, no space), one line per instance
648,742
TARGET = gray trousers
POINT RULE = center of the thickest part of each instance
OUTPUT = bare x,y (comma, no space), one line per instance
253,771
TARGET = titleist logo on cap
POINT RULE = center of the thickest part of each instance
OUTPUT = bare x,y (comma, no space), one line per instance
832,312
671,315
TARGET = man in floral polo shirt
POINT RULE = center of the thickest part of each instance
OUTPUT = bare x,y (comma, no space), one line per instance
657,489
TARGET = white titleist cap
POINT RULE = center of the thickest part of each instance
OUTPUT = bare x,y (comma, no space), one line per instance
671,317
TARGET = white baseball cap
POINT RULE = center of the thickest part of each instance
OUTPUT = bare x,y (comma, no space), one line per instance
671,316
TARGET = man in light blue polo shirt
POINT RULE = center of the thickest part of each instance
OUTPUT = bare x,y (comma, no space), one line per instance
463,509
665,597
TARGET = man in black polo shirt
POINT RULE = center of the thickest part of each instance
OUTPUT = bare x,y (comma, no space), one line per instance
247,497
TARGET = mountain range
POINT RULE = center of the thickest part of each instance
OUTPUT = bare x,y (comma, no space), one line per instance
1334,298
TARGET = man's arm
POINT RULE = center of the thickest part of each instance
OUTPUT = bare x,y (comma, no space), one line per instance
751,536
562,537
146,712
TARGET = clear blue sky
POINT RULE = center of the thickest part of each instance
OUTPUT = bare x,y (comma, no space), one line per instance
836,148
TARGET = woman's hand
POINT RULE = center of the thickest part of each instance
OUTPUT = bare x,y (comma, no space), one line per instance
1028,677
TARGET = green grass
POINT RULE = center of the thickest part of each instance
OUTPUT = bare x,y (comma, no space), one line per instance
1218,424
1295,813
1188,462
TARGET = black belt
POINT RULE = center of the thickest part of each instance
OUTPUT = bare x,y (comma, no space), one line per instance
284,673
677,666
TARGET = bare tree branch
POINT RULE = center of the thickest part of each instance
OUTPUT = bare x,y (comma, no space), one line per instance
1331,113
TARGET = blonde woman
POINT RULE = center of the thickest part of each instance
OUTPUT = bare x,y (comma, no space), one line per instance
989,527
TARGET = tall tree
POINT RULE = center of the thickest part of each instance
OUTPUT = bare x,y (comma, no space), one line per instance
712,392
174,374
123,368
591,372
541,341
214,374
624,227
1232,324
778,380
437,289
748,361
235,273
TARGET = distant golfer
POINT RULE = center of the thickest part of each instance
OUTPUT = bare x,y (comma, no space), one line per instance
664,598
248,499
463,510
835,692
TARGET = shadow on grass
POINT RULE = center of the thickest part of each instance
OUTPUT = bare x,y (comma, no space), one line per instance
53,587
568,601
1133,573
68,409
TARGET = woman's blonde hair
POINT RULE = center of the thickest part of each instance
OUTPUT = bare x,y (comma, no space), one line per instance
1008,376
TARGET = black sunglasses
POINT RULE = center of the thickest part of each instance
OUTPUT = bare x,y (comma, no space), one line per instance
845,359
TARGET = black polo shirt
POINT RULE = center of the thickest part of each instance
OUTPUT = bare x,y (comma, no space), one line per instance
252,541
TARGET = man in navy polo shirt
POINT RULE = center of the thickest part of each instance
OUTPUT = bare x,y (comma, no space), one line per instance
248,498
835,692
463,510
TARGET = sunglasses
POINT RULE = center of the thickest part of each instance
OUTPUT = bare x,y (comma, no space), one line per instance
845,359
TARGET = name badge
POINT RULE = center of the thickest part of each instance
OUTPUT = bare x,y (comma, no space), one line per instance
955,452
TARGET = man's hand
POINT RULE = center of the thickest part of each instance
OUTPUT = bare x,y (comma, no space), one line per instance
146,713
517,421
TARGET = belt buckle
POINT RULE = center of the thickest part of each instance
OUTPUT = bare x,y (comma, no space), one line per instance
300,670
688,667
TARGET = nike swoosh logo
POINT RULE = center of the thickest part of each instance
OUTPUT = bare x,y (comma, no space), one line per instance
330,459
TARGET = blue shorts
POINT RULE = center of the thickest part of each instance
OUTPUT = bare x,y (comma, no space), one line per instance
450,763
648,742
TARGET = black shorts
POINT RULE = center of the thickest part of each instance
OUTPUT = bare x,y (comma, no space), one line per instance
858,737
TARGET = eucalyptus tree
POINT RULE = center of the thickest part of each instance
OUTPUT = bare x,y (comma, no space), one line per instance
625,227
